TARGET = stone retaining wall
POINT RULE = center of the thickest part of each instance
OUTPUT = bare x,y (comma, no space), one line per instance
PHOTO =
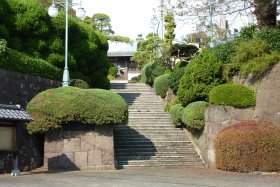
216,119
19,88
80,148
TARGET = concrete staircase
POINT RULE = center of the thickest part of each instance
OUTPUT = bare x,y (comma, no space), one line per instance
149,139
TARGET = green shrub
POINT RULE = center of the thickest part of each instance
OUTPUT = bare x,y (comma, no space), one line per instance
235,95
174,78
55,107
260,65
16,61
248,146
161,85
136,79
3,48
33,32
202,74
224,52
113,70
79,83
176,114
271,36
249,32
252,57
4,33
193,115
150,71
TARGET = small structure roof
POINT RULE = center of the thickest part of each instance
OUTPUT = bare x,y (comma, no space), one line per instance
14,113
119,49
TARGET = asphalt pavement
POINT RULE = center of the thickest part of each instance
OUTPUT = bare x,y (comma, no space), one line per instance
141,177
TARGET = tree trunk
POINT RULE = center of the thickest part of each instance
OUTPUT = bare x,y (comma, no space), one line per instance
265,12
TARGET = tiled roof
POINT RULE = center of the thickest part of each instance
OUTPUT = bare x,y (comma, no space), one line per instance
120,53
13,112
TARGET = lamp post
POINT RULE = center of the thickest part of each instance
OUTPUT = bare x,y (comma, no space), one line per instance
80,13
211,25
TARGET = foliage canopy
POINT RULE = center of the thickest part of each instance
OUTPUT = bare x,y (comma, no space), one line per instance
55,107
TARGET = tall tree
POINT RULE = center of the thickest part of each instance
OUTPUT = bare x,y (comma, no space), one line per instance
169,37
146,49
102,22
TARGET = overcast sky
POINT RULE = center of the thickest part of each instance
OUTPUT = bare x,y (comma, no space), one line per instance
128,17
132,17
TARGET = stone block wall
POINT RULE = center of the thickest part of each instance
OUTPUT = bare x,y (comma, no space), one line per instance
19,88
268,97
80,148
218,118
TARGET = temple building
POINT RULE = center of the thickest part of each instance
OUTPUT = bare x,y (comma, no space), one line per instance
119,54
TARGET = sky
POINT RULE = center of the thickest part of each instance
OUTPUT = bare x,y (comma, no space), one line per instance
132,17
128,17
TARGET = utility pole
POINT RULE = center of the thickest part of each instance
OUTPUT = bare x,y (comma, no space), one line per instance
162,18
211,25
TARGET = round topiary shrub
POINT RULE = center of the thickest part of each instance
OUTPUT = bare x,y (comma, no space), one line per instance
248,146
193,115
235,95
174,78
150,71
176,114
161,85
55,107
144,77
79,83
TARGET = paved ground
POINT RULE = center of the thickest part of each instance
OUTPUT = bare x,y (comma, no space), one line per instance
151,177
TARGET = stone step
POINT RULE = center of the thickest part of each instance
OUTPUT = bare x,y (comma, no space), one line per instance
154,143
168,154
159,163
159,158
149,139
136,150
148,136
133,126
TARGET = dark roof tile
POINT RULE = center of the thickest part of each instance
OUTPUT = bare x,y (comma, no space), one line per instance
13,112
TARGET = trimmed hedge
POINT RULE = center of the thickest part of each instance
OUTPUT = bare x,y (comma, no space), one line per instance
174,78
248,146
235,95
55,107
150,71
176,114
161,85
193,115
79,83
20,62
202,74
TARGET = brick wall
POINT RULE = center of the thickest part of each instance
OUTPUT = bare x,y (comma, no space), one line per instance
19,88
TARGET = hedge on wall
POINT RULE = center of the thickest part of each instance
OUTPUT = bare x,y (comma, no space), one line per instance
54,107
248,146
193,115
20,62
33,32
161,85
202,74
236,95
176,114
